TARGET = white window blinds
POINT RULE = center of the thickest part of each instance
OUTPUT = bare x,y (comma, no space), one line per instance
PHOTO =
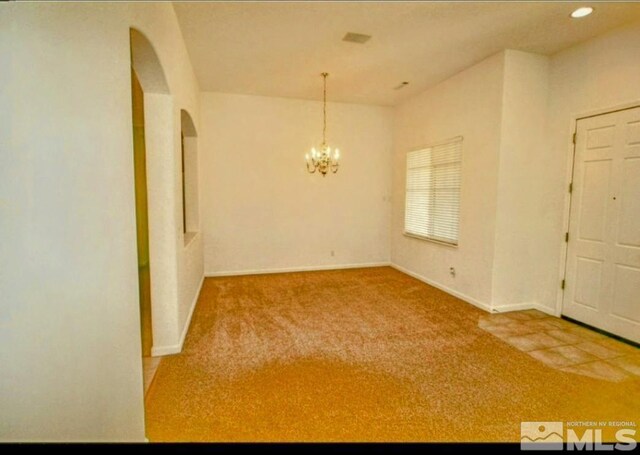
432,207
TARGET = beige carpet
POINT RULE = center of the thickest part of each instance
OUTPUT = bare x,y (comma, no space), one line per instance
358,355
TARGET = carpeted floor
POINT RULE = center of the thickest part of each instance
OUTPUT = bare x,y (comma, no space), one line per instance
358,355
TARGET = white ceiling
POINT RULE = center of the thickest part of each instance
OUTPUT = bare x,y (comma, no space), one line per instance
280,49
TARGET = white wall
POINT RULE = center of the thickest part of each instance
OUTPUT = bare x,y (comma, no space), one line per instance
163,249
69,325
520,203
262,211
597,75
191,272
467,104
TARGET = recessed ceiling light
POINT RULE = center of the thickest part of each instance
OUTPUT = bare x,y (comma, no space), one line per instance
582,12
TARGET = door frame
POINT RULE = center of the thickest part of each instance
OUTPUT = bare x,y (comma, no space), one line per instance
566,216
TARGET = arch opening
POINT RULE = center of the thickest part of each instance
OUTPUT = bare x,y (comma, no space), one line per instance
154,168
146,64
189,155
188,127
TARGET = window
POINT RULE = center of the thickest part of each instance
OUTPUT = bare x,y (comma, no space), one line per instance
432,204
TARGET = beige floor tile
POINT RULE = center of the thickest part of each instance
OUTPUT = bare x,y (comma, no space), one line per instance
534,342
619,346
560,323
630,363
599,370
496,319
510,330
589,334
574,355
486,321
535,314
599,350
551,358
566,336
562,356
150,366
541,325
520,316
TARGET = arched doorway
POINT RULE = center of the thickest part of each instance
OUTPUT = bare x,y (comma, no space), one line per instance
152,110
142,214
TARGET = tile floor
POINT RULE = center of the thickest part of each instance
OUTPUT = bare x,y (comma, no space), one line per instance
564,345
149,368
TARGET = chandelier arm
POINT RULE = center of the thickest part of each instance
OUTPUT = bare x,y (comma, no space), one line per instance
309,168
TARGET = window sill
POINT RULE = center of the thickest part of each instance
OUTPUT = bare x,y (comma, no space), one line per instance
188,238
430,240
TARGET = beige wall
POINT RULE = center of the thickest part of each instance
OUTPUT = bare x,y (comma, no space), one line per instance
469,105
517,113
69,325
262,211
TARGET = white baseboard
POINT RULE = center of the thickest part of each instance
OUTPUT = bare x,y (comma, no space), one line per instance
460,295
310,268
165,350
513,307
521,307
177,348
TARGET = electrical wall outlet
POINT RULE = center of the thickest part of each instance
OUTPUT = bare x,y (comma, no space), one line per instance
452,271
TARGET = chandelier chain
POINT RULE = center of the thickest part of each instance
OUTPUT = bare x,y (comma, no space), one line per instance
324,110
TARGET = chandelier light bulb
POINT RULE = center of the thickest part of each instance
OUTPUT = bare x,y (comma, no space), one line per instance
337,154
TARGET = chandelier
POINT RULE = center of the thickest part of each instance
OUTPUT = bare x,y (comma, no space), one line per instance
322,160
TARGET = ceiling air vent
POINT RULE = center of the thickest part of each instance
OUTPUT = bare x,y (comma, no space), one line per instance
356,38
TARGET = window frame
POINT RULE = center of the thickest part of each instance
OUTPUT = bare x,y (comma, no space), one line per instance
435,240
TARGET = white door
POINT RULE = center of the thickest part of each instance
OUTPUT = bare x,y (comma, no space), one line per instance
602,283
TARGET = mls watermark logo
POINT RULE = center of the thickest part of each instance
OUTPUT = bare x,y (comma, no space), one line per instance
583,436
541,436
